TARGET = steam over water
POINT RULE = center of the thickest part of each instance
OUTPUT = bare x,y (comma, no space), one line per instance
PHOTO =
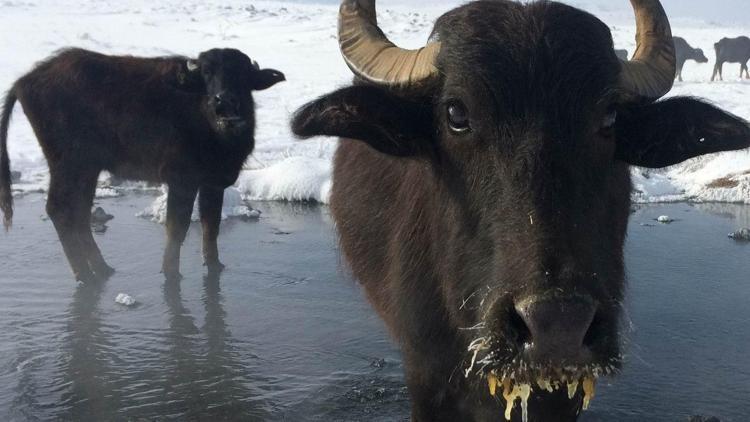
286,334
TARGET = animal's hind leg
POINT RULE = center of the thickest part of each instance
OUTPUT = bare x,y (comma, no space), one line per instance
64,206
717,72
93,254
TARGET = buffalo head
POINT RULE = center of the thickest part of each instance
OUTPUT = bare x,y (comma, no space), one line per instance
517,124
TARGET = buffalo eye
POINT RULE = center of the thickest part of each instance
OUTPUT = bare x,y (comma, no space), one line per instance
608,123
458,117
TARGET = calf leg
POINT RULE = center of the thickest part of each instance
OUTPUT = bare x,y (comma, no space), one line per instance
180,202
66,205
210,202
93,254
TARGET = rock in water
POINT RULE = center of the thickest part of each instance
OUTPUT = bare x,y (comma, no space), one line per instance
741,235
665,219
699,418
99,216
125,299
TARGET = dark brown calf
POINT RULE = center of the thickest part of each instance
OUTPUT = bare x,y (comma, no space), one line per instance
187,123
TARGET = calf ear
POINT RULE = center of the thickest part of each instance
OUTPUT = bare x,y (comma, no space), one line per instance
188,78
671,131
389,124
266,78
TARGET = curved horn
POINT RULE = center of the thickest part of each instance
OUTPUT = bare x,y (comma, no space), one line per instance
650,73
371,56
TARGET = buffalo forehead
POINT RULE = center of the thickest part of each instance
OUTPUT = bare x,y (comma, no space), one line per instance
226,56
529,54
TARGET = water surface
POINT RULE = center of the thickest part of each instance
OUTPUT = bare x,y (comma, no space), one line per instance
285,334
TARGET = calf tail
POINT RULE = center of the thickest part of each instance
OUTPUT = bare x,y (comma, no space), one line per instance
6,195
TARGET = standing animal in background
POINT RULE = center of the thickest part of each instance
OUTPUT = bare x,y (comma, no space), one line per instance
732,50
622,54
187,123
481,191
684,52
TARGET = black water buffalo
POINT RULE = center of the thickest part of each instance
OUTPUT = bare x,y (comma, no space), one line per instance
732,50
482,187
187,123
684,52
621,54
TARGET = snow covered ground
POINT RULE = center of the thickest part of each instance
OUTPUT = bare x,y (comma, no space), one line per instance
299,38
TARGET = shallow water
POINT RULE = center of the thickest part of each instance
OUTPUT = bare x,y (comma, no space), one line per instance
286,334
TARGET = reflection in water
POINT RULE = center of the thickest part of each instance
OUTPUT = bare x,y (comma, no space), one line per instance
88,367
208,384
193,374
738,212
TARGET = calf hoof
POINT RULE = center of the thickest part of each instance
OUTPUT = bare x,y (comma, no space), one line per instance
215,267
172,275
86,277
104,271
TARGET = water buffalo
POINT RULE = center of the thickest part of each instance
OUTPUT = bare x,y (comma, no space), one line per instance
188,123
684,52
481,192
621,54
732,50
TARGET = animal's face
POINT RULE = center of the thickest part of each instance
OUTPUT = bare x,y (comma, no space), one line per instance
229,77
528,124
700,57
525,146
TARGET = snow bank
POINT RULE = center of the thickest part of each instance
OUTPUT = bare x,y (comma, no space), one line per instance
723,177
293,179
234,206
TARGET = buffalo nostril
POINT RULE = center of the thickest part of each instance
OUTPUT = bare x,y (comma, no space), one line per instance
519,329
557,327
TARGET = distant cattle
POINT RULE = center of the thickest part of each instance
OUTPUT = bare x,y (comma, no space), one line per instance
621,54
684,52
188,123
732,50
481,190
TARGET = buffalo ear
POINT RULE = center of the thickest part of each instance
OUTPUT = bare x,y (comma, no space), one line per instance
674,130
266,78
389,124
188,79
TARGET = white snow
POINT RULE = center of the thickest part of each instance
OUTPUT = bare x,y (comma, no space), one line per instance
664,219
299,38
125,299
234,206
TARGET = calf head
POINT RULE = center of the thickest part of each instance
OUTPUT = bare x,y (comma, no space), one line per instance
528,123
699,56
228,78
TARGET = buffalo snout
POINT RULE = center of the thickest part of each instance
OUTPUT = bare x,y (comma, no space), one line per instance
556,330
226,105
